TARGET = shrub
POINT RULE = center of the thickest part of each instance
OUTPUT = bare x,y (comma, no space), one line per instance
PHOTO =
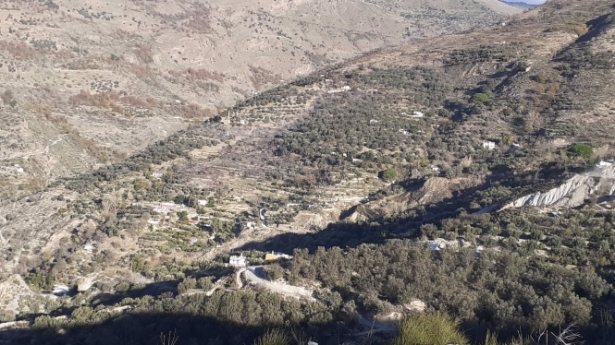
388,174
7,96
179,199
273,337
522,65
275,272
211,202
580,150
187,284
581,29
183,216
52,5
434,329
40,281
204,283
6,316
480,98
508,139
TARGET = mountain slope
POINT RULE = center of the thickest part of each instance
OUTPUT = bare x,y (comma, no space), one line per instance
293,135
378,156
109,78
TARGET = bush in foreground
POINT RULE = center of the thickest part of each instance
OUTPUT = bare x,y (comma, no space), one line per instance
431,329
273,337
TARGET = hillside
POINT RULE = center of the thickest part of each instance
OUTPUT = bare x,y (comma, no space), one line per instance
382,176
88,84
521,4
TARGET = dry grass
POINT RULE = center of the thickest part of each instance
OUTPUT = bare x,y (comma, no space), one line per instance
20,50
195,111
273,337
114,102
144,54
85,64
262,77
581,29
433,329
105,100
200,74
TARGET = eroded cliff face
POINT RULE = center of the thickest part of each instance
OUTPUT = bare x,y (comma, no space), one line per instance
599,182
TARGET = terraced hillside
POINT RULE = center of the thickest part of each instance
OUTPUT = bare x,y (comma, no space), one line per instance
88,84
373,175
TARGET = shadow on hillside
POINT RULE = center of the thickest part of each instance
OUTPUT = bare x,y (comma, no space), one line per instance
597,27
138,329
379,229
152,289
156,289
106,299
351,235
146,329
189,329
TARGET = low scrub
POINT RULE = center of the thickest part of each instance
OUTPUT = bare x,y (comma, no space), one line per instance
432,329
580,150
273,337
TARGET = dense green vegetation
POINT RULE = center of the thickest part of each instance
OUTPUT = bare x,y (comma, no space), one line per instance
224,317
389,174
480,98
580,150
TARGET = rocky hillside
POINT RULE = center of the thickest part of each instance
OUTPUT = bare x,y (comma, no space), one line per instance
370,174
88,84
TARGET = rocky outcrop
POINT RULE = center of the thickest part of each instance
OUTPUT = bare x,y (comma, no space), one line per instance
84,284
571,193
599,182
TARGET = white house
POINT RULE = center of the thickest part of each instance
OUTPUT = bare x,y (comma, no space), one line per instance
238,261
418,114
489,145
